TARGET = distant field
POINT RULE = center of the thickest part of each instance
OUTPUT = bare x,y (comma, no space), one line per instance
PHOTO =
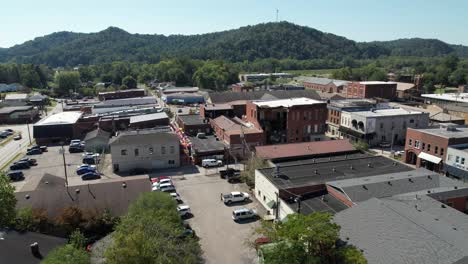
320,72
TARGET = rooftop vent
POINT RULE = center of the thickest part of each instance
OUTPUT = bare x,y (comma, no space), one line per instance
365,187
410,180
389,183
352,168
369,165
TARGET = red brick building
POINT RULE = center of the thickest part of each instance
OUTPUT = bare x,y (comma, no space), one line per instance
428,147
237,135
372,89
288,120
323,84
242,87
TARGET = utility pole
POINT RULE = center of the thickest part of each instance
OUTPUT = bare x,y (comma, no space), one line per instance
277,15
64,165
277,206
29,133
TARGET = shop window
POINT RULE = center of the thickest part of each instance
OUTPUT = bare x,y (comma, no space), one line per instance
123,152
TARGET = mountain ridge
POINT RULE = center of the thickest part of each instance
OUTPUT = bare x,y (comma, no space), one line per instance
282,40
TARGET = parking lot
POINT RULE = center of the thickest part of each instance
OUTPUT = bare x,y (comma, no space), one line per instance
222,239
51,162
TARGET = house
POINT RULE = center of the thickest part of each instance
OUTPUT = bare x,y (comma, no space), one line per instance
16,99
381,126
18,114
288,120
456,162
427,147
147,149
191,125
243,87
371,89
238,136
323,84
149,120
97,141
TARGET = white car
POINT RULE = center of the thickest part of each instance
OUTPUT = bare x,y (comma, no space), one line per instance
211,163
165,187
86,165
243,213
90,154
175,196
184,210
235,197
162,181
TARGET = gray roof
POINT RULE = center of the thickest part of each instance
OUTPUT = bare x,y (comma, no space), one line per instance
443,117
225,97
143,136
448,194
392,231
386,185
460,132
148,100
191,120
97,133
208,144
12,109
324,203
321,81
16,96
148,117
302,173
37,97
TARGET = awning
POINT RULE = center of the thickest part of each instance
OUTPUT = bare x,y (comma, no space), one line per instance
271,204
429,157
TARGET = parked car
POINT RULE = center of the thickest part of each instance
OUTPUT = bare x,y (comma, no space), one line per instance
235,197
75,142
75,149
9,130
17,137
157,179
15,175
162,181
85,170
86,166
223,174
176,197
34,152
243,213
90,160
188,232
20,165
43,148
165,187
3,135
184,210
90,154
31,162
33,147
211,163
90,176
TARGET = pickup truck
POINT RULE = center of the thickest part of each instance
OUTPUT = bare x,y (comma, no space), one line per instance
235,197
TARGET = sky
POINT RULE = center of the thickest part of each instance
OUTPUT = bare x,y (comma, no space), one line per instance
360,20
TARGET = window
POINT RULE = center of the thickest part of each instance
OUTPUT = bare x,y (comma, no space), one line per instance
123,152
428,147
441,151
172,149
381,126
410,142
462,161
151,150
264,198
137,152
457,159
404,124
416,144
436,149
423,146
411,121
163,150
449,157
171,162
259,193
316,128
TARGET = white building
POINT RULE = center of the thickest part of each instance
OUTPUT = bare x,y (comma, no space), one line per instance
456,162
16,99
147,149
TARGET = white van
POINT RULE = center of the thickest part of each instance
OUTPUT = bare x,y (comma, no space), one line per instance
211,163
243,213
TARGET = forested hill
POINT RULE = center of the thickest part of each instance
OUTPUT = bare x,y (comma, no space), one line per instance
270,40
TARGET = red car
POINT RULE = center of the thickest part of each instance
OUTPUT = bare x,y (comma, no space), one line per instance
156,179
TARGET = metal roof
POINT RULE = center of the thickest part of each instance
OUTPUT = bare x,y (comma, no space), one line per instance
148,117
9,110
16,96
63,118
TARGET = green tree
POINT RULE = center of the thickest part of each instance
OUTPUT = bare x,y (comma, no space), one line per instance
24,219
150,233
248,174
352,255
7,201
78,240
212,75
130,82
67,254
67,81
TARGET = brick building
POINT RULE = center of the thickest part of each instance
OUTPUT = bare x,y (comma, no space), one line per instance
237,135
242,87
336,107
371,89
288,120
428,147
323,84
121,94
193,124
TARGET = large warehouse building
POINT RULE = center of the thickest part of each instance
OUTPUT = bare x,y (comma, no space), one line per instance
57,128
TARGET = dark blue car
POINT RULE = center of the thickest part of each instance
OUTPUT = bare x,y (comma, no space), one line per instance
90,176
84,170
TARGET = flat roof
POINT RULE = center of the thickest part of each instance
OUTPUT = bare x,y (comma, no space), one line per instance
387,112
323,203
303,173
376,82
211,107
287,102
11,109
16,96
192,120
63,118
148,117
122,91
452,97
303,149
207,144
401,86
147,100
459,132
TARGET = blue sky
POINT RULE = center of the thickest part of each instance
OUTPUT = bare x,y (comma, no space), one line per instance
360,20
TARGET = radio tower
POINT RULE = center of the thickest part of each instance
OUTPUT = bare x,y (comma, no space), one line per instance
277,15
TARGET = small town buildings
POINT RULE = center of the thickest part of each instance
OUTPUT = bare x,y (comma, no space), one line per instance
427,147
371,89
58,128
289,120
39,100
16,99
206,147
335,107
191,125
149,120
183,98
242,87
147,149
173,90
323,84
214,110
18,114
381,126
146,101
456,162
446,98
238,136
258,77
97,141
407,91
304,150
227,97
130,93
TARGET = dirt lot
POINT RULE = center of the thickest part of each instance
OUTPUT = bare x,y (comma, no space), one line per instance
222,239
